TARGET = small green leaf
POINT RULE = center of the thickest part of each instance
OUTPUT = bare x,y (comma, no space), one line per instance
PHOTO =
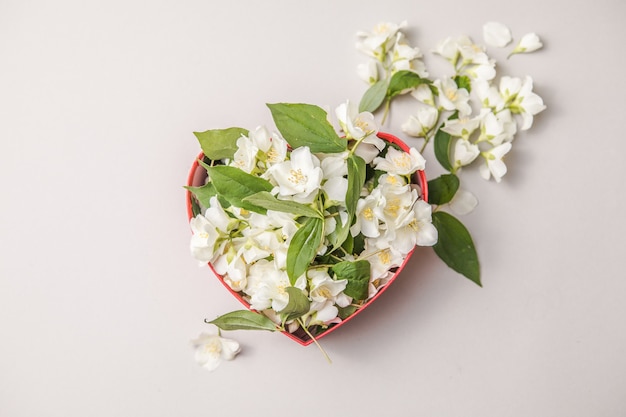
203,193
303,247
443,146
403,81
345,312
373,97
358,275
455,246
244,320
307,125
220,143
297,306
463,81
442,189
269,202
235,185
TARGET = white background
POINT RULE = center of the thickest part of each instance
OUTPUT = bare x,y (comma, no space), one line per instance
99,296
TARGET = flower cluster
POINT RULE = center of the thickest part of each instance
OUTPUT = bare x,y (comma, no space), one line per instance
481,115
306,224
307,233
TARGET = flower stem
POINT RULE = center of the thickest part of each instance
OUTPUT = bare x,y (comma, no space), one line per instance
315,341
386,113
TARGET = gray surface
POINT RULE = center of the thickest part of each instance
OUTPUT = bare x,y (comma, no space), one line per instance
99,296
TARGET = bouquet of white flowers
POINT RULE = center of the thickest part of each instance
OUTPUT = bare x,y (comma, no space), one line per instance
309,224
306,225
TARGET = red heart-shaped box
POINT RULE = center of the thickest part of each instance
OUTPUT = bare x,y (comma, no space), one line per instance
197,177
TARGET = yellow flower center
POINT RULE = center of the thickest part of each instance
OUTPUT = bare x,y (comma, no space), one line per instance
296,176
368,214
213,347
392,207
452,95
272,155
402,161
360,123
324,292
392,180
384,257
381,28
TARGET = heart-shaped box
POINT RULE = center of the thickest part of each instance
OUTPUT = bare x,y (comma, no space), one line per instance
197,177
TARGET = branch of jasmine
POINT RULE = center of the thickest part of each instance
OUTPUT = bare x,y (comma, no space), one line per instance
306,330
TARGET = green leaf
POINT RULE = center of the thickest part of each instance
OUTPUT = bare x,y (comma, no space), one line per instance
356,178
443,146
463,81
303,247
269,202
297,306
455,246
235,185
345,312
442,189
244,320
403,81
307,125
220,143
358,275
373,97
203,193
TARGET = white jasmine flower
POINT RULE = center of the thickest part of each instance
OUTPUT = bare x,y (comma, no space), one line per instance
380,40
494,165
406,57
462,127
420,124
465,153
367,220
324,288
212,349
203,238
400,162
496,34
336,188
527,103
335,185
509,87
245,155
451,97
300,177
272,146
529,43
415,228
463,202
266,286
354,124
368,72
322,313
497,128
488,94
233,271
471,52
258,243
207,230
449,48
381,256
424,94
392,183
398,201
